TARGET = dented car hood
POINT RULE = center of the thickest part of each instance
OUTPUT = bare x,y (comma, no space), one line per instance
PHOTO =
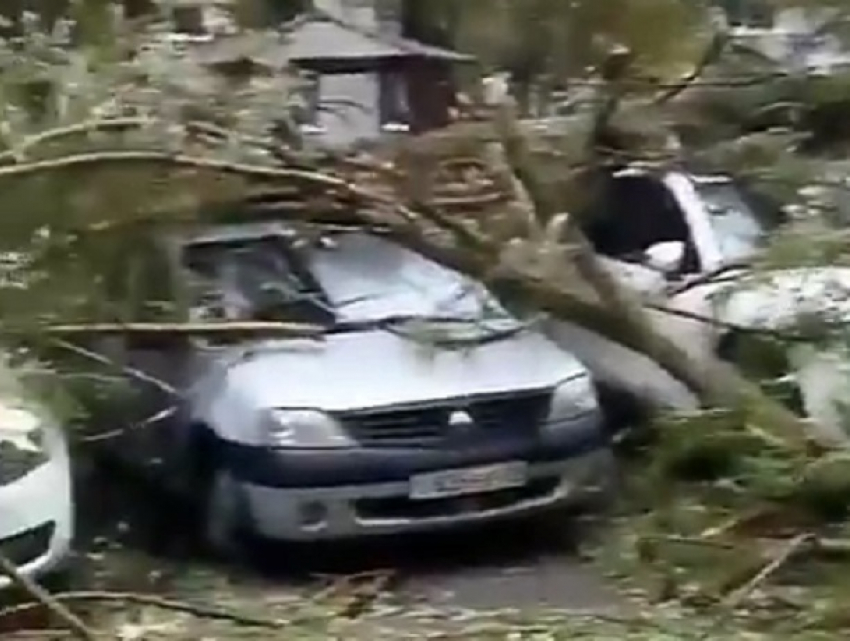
365,369
782,298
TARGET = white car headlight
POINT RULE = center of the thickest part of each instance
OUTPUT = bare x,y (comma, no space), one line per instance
22,443
306,429
573,397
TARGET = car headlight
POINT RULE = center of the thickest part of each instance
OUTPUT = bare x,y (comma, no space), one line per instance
22,444
573,397
306,429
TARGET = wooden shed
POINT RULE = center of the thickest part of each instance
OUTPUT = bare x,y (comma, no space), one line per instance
388,80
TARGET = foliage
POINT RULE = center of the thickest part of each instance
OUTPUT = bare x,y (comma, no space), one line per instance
564,39
101,145
99,100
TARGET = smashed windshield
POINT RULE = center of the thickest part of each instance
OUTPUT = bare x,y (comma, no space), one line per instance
348,278
741,226
367,277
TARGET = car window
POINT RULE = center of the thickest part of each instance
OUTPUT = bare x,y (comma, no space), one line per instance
632,213
350,276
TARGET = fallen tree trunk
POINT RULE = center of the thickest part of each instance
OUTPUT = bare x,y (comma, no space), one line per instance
716,383
615,313
611,311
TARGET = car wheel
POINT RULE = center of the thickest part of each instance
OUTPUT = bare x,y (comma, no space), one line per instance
224,519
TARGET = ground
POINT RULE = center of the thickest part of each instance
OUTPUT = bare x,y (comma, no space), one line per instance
517,567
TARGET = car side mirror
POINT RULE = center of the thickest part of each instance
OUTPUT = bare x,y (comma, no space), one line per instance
665,256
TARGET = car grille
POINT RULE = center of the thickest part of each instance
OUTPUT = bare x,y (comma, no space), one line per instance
430,425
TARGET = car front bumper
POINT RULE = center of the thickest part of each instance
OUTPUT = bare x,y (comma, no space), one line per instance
36,518
351,511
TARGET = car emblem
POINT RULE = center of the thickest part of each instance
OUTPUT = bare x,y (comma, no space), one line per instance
460,419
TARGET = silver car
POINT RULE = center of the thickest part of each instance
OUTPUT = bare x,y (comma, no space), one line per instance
424,405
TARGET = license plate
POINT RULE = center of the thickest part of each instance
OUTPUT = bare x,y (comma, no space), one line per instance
472,480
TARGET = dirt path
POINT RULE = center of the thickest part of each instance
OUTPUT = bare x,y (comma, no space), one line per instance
427,582
442,589
488,569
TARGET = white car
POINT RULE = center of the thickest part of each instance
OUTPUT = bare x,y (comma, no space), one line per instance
684,243
36,504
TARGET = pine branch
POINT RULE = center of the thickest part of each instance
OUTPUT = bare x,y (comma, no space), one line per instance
130,157
293,330
712,54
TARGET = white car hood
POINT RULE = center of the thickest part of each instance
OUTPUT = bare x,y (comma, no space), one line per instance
782,298
364,369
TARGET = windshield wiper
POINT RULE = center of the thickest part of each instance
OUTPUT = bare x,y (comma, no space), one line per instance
394,324
388,322
713,275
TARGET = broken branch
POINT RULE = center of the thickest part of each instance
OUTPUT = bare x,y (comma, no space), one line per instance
198,610
46,600
712,53
734,599
291,330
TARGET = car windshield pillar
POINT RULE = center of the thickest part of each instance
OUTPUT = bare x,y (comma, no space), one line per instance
739,229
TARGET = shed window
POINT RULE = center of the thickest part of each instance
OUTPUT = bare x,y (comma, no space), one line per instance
757,14
394,107
189,20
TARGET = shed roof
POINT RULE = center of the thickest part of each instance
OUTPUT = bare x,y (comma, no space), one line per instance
316,40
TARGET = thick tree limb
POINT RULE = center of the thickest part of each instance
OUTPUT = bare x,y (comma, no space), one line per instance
622,319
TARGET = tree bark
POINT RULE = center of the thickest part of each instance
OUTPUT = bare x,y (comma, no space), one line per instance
715,383
620,317
623,318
